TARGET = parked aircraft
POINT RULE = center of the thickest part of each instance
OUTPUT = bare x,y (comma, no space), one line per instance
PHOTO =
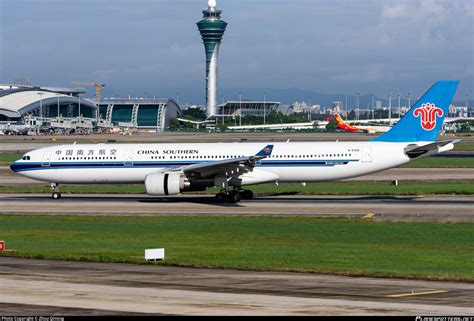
358,128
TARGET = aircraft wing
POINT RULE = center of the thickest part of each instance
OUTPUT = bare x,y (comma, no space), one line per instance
233,167
414,151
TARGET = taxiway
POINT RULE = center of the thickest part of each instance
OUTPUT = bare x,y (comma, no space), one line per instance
101,288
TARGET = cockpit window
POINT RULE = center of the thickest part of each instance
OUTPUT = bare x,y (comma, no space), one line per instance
25,157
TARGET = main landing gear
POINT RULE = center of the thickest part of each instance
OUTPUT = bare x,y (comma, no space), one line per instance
234,196
56,194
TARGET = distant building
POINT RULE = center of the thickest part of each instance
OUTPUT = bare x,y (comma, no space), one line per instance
20,102
64,108
337,107
248,108
138,113
302,107
458,111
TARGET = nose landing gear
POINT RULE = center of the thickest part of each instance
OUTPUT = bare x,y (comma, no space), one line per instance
56,194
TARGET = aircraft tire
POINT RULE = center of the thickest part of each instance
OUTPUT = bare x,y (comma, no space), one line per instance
246,194
221,197
233,197
56,195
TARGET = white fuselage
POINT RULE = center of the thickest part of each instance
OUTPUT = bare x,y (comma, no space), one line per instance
131,163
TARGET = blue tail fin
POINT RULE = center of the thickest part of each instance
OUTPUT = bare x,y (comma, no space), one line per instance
424,120
267,151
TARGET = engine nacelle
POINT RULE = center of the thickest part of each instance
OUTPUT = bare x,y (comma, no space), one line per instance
164,183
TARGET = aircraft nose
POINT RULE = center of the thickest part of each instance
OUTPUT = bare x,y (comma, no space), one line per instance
14,166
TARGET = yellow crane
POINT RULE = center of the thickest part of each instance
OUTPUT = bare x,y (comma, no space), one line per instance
98,86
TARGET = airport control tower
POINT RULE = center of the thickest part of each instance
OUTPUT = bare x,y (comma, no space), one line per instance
212,29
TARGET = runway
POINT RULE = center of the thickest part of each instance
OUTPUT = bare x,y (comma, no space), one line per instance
429,208
100,288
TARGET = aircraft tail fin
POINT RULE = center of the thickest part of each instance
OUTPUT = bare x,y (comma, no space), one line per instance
341,124
424,120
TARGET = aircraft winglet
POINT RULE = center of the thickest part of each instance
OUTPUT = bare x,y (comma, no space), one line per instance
267,151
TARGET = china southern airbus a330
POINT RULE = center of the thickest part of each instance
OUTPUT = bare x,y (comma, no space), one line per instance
169,169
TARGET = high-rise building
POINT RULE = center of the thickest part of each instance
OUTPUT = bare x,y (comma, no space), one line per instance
212,29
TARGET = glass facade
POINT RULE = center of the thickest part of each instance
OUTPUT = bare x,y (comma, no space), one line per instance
122,113
147,115
147,112
67,110
103,112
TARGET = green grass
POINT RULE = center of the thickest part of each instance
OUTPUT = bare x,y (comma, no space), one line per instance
441,162
333,188
6,158
463,147
441,251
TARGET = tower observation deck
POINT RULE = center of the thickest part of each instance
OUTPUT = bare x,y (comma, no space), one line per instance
212,29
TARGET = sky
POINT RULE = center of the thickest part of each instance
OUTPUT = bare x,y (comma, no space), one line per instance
153,47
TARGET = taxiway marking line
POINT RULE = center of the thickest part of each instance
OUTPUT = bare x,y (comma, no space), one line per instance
415,293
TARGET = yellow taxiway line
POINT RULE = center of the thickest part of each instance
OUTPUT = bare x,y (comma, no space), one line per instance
415,293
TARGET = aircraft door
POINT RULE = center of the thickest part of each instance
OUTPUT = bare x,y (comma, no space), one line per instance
366,155
128,158
46,162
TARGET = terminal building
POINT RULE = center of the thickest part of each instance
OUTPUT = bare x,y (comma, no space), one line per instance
20,102
138,113
64,108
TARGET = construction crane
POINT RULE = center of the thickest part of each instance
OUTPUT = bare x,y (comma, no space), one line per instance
98,86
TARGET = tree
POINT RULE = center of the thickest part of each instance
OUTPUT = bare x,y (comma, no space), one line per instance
174,124
195,114
352,115
332,125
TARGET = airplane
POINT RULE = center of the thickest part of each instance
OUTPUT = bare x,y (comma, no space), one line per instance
358,129
170,169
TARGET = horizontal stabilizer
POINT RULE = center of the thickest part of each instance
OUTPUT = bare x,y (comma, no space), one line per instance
415,151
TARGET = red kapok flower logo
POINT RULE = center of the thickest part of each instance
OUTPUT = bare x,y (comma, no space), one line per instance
428,114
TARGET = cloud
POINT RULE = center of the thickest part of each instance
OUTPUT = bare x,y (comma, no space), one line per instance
426,22
328,46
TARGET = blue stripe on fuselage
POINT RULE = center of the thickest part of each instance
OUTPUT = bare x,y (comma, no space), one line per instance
31,166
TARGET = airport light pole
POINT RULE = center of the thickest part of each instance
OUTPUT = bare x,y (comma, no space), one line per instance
357,104
79,110
467,105
347,109
310,107
58,104
390,108
399,107
41,112
409,100
240,108
373,105
264,107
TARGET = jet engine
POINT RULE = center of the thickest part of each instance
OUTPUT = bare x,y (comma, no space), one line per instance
166,183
